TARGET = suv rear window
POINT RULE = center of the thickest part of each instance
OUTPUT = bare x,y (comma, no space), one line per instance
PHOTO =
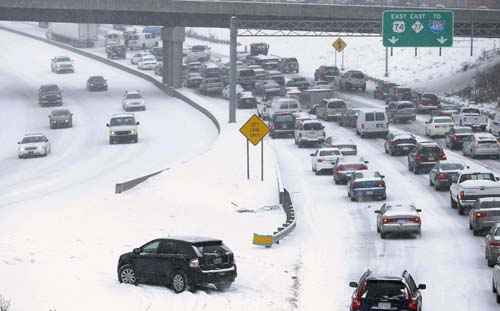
313,126
122,121
368,184
388,288
357,75
337,105
471,110
430,150
283,118
405,141
406,105
379,116
370,116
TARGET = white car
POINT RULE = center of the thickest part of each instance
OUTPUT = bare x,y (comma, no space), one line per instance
123,127
139,56
33,145
61,64
309,132
147,63
438,126
133,101
481,144
225,90
324,159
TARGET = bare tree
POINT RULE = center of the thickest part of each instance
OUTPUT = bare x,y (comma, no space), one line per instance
4,303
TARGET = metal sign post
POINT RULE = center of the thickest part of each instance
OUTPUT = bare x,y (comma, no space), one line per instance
255,130
262,160
386,62
339,45
232,71
335,56
342,66
248,159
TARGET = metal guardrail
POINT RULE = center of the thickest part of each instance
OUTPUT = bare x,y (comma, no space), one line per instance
127,185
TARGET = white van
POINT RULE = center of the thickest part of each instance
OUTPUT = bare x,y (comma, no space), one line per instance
284,105
372,122
137,41
331,109
113,37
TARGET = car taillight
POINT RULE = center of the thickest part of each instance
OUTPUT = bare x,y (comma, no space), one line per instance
443,156
415,219
194,263
381,184
389,220
494,243
462,195
479,214
418,157
412,304
442,176
356,303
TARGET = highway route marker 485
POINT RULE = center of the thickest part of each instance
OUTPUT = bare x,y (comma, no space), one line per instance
417,28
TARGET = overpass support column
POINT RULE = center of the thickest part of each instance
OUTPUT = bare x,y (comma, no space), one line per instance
172,39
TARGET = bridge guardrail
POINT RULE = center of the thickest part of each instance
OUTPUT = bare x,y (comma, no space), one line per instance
127,185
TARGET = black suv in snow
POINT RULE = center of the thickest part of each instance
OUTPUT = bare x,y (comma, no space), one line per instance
180,263
97,83
425,156
50,94
377,292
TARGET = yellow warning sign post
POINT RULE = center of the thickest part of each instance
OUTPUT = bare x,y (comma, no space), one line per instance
254,130
339,45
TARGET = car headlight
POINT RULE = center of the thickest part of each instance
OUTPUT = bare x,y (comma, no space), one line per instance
133,132
112,133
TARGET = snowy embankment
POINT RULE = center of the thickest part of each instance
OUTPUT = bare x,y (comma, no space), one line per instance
59,250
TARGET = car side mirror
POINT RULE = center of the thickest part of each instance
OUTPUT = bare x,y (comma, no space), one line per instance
18,142
137,123
353,284
107,124
366,162
419,210
377,212
422,286
137,250
497,178
313,154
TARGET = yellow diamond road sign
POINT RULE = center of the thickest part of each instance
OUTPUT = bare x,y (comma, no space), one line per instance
339,45
254,129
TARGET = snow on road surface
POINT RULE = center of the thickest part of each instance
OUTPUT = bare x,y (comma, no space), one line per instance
64,230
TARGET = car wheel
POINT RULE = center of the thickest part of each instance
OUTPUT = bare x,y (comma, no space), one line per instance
493,288
475,232
378,229
111,141
179,282
383,235
316,172
126,274
416,170
337,182
460,209
353,199
491,263
430,182
223,286
453,204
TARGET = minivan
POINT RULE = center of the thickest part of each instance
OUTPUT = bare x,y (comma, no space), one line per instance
372,122
137,41
331,109
284,105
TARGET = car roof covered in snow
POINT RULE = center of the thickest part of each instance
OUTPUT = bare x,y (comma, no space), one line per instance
193,239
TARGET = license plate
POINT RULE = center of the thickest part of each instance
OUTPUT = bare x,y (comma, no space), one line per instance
401,221
217,260
431,158
406,148
380,126
384,305
369,192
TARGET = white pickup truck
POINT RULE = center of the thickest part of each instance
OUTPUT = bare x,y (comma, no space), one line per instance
469,116
470,186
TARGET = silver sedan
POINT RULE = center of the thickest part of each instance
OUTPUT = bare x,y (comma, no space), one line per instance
492,246
398,218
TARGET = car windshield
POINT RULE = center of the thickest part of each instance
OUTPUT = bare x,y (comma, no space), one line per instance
283,118
430,150
133,96
471,111
368,184
336,105
442,120
60,112
50,88
451,166
198,48
463,130
490,204
358,75
63,59
477,176
313,126
325,153
384,288
122,121
32,139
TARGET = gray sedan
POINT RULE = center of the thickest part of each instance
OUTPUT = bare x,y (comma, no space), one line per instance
398,218
485,213
444,173
60,118
492,246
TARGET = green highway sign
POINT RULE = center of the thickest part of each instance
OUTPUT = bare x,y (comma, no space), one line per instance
417,28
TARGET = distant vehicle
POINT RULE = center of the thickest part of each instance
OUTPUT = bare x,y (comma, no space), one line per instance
371,122
324,159
349,118
481,144
427,102
346,149
60,118
113,37
277,76
159,69
154,30
326,73
395,218
492,255
309,132
366,187
398,93
346,167
266,62
116,52
193,80
136,58
331,109
472,117
147,63
401,111
61,64
97,83
133,101
180,263
157,51
225,91
386,292
284,105
50,95
425,156
470,186
438,126
456,136
399,143
282,124
77,35
211,86
351,80
199,53
123,127
484,214
315,96
138,41
33,145
268,89
246,100
298,81
260,74
259,48
293,92
211,70
194,66
246,78
382,90
494,125
288,65
444,173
